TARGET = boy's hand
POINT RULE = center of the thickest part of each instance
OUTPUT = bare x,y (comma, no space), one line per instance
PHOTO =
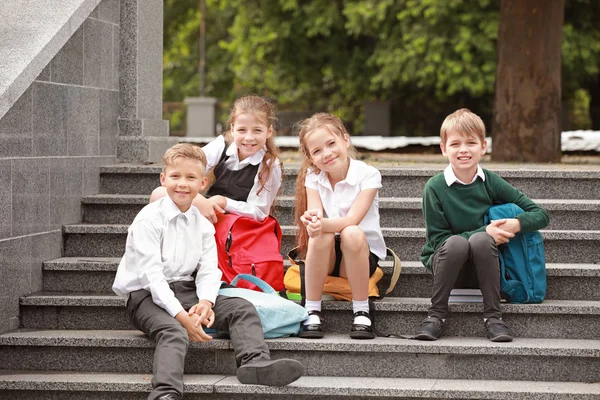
500,235
205,313
512,225
195,332
206,208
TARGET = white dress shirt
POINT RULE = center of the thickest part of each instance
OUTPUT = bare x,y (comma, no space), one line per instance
337,201
165,245
450,176
257,206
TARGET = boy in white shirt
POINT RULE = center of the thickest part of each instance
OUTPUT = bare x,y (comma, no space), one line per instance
170,279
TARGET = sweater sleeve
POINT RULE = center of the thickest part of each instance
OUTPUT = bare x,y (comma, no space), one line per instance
534,217
437,228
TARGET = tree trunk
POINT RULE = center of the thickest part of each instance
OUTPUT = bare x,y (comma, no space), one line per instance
526,123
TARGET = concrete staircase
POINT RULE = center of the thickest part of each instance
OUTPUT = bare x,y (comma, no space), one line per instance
77,342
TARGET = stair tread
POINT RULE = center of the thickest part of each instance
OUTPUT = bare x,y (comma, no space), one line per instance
291,230
331,342
394,202
306,385
388,304
408,267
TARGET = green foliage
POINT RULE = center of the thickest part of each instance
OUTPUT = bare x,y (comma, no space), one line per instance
334,55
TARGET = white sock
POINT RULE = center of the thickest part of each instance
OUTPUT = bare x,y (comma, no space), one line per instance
362,305
312,306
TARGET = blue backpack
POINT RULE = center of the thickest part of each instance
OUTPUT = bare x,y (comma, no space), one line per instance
522,260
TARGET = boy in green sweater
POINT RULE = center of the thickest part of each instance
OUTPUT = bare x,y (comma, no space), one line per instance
461,250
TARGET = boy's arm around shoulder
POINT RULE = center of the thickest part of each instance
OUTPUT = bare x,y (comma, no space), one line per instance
144,256
534,217
208,278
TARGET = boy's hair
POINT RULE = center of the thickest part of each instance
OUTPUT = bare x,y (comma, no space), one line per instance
334,125
184,150
265,112
464,122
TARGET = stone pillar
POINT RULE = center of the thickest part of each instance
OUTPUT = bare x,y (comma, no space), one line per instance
200,116
143,134
378,118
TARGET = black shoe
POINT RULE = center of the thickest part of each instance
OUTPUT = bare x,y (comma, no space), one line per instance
312,331
430,329
270,372
170,396
360,331
497,331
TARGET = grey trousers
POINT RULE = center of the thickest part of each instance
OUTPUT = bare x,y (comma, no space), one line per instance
466,263
235,316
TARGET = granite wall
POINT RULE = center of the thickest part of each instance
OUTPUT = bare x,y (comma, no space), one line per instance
52,142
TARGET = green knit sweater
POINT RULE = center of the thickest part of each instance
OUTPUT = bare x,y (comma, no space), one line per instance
459,209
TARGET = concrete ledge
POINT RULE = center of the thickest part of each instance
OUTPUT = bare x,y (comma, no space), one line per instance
33,33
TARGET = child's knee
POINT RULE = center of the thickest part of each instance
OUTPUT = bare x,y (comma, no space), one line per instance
481,241
324,241
352,239
456,245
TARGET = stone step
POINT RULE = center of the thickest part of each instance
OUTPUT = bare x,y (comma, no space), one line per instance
399,315
102,240
103,386
96,275
549,360
566,214
547,182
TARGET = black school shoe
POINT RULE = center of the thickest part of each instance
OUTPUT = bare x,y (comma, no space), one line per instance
430,329
497,331
270,372
360,331
312,331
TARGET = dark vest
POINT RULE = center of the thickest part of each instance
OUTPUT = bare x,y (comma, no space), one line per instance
235,185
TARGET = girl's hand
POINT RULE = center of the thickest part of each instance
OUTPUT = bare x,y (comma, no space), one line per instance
206,208
314,227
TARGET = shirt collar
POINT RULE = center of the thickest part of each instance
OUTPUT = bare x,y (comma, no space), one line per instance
172,211
351,176
254,159
450,176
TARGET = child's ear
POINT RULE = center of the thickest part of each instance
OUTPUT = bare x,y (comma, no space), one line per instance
162,179
443,148
270,132
203,184
483,147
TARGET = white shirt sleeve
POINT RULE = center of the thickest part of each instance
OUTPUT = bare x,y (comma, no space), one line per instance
309,181
371,179
143,247
208,278
258,207
213,151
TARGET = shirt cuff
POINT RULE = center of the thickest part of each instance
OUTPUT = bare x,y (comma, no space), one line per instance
174,307
210,295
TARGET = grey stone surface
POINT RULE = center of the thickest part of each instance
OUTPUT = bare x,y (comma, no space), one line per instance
91,176
116,57
16,128
46,74
149,57
98,54
128,96
143,149
5,199
49,115
125,183
30,197
67,65
82,121
107,11
109,113
34,32
66,182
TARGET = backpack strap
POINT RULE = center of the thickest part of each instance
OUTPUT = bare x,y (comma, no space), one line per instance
388,282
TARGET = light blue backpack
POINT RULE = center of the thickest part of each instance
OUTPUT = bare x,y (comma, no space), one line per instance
522,260
279,317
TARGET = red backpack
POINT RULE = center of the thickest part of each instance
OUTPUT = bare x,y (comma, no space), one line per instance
246,246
